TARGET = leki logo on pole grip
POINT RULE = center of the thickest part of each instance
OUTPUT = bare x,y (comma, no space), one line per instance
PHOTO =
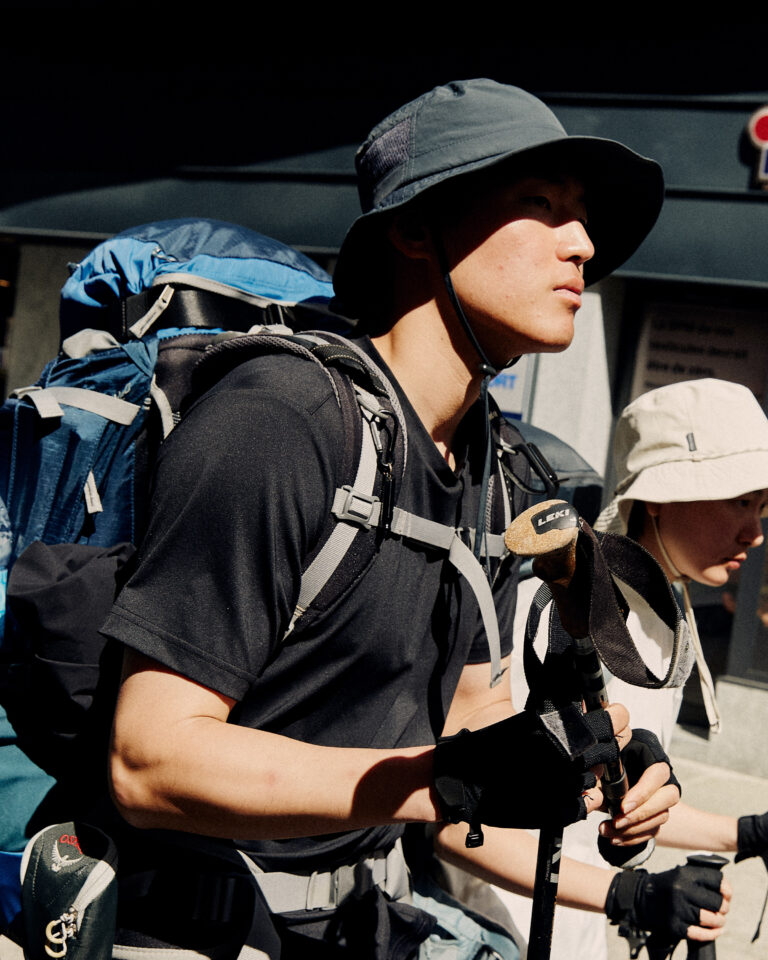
563,518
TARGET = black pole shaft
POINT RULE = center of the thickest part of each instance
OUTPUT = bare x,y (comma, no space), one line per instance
697,949
545,893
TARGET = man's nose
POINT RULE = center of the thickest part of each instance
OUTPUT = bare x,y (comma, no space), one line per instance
575,243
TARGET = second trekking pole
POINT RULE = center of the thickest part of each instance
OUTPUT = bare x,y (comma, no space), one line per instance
548,532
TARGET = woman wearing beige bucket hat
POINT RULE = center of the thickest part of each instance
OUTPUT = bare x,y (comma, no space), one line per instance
692,484
691,462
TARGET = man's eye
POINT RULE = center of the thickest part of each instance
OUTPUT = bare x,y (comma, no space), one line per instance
538,201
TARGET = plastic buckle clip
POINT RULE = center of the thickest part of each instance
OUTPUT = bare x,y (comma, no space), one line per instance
358,508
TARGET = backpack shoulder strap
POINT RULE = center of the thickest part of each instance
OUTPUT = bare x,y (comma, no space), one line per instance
367,398
373,456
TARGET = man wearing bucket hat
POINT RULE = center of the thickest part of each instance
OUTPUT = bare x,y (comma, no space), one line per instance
691,462
473,248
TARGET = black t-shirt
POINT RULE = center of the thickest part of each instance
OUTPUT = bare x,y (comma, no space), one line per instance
244,488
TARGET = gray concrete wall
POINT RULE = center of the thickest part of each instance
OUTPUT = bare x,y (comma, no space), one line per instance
571,393
742,743
33,329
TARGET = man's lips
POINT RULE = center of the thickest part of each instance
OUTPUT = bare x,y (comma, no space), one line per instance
572,290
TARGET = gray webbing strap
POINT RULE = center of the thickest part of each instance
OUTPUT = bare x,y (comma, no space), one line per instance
163,405
346,500
441,535
47,402
409,525
505,498
88,341
91,494
466,563
388,388
127,952
285,892
144,324
493,545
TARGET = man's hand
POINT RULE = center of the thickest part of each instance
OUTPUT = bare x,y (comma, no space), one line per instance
479,775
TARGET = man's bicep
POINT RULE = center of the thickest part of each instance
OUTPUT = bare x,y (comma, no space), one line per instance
153,699
154,707
475,703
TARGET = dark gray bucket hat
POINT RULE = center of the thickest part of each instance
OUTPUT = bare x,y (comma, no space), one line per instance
469,125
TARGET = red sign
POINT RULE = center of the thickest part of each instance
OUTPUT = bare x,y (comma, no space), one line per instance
758,134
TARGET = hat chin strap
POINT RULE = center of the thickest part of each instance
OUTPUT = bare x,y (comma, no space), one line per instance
489,372
705,677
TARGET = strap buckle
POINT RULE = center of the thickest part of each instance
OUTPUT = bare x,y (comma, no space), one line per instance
355,507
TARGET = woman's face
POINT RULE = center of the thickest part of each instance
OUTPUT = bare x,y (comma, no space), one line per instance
707,540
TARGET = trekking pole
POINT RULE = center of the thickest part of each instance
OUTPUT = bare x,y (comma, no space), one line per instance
548,532
696,949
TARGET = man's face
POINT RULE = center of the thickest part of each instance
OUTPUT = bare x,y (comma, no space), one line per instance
517,253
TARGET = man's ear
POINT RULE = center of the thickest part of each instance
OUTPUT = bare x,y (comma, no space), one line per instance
409,234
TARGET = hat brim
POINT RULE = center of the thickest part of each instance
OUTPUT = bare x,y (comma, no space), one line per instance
625,192
686,481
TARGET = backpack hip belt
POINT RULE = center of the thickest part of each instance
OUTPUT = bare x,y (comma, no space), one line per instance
286,892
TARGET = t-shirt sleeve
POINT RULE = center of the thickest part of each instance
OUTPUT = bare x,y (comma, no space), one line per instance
243,490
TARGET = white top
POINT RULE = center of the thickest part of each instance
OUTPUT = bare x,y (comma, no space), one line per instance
580,934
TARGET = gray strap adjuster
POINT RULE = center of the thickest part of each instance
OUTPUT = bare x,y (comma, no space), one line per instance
361,508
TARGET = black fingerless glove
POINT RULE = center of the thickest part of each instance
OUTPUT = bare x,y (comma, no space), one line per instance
527,771
752,837
642,751
665,904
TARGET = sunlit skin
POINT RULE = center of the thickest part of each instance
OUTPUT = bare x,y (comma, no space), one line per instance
517,264
707,540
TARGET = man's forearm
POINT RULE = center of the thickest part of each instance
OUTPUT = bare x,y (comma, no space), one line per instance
247,783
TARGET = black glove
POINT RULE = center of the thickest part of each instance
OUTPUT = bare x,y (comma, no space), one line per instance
752,837
642,751
527,771
665,903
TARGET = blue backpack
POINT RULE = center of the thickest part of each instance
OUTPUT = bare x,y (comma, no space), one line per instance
68,441
77,447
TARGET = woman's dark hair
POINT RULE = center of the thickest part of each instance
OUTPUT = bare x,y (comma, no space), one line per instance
636,522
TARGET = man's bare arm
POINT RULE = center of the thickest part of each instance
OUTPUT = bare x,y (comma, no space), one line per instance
176,763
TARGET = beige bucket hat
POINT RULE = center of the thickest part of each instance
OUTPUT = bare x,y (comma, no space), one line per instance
696,440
